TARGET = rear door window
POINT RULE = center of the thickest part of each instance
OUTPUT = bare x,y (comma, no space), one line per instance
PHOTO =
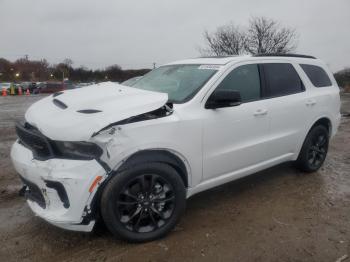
281,79
317,75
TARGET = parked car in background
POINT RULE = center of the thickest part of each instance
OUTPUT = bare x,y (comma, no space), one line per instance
38,86
131,81
67,84
80,85
133,155
31,86
50,87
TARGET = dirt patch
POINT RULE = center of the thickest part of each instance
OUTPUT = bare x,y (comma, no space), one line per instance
276,215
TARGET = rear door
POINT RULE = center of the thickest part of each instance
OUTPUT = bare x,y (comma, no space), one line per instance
286,99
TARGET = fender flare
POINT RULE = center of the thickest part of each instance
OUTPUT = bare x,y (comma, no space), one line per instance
323,120
157,155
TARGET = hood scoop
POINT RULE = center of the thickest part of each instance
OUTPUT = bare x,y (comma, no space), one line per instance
89,111
57,94
59,103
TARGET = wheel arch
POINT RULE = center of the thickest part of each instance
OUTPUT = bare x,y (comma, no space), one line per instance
324,121
140,157
157,155
302,160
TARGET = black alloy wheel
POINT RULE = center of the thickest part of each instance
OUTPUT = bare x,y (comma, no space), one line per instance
314,150
317,150
143,202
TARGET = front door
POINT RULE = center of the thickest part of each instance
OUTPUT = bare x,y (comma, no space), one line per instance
235,137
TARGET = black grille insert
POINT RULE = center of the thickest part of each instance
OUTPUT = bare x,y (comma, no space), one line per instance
31,138
61,191
33,193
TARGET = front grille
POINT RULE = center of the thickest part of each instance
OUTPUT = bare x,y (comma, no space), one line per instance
31,138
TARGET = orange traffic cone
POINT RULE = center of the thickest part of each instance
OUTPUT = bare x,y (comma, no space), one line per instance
27,92
4,92
19,91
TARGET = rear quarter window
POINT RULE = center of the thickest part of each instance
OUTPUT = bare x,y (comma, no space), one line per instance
317,75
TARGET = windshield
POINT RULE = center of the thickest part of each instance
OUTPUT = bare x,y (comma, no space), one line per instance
180,82
131,81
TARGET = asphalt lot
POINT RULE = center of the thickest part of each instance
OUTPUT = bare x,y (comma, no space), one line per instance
279,214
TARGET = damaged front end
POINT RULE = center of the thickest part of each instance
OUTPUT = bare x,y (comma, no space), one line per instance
76,115
57,180
44,148
163,111
60,156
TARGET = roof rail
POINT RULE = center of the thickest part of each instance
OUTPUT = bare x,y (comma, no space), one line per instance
217,56
285,55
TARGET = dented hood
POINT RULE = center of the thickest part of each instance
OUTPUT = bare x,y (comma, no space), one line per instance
57,117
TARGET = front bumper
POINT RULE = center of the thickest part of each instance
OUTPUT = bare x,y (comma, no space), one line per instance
60,187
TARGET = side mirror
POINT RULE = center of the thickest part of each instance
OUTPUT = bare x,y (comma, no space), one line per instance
223,98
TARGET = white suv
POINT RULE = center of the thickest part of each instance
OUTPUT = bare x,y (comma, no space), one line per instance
132,155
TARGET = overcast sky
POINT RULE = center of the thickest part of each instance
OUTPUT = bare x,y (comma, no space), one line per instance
135,34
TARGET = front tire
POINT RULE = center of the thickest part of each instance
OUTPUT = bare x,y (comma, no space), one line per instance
144,202
314,150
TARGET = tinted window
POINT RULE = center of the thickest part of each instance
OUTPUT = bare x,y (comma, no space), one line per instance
244,79
282,79
317,75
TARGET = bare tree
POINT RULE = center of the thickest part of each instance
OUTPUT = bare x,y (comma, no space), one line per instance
265,35
68,62
65,67
226,40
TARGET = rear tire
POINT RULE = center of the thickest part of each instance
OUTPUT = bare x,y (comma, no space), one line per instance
144,202
314,150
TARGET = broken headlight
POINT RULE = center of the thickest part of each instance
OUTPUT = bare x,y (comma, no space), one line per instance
77,150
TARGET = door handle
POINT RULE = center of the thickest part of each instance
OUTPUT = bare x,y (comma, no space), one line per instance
310,102
260,112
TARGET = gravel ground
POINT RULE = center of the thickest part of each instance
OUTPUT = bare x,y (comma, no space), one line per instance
279,214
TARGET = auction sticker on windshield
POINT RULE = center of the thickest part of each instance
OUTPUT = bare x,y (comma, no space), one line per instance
211,67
